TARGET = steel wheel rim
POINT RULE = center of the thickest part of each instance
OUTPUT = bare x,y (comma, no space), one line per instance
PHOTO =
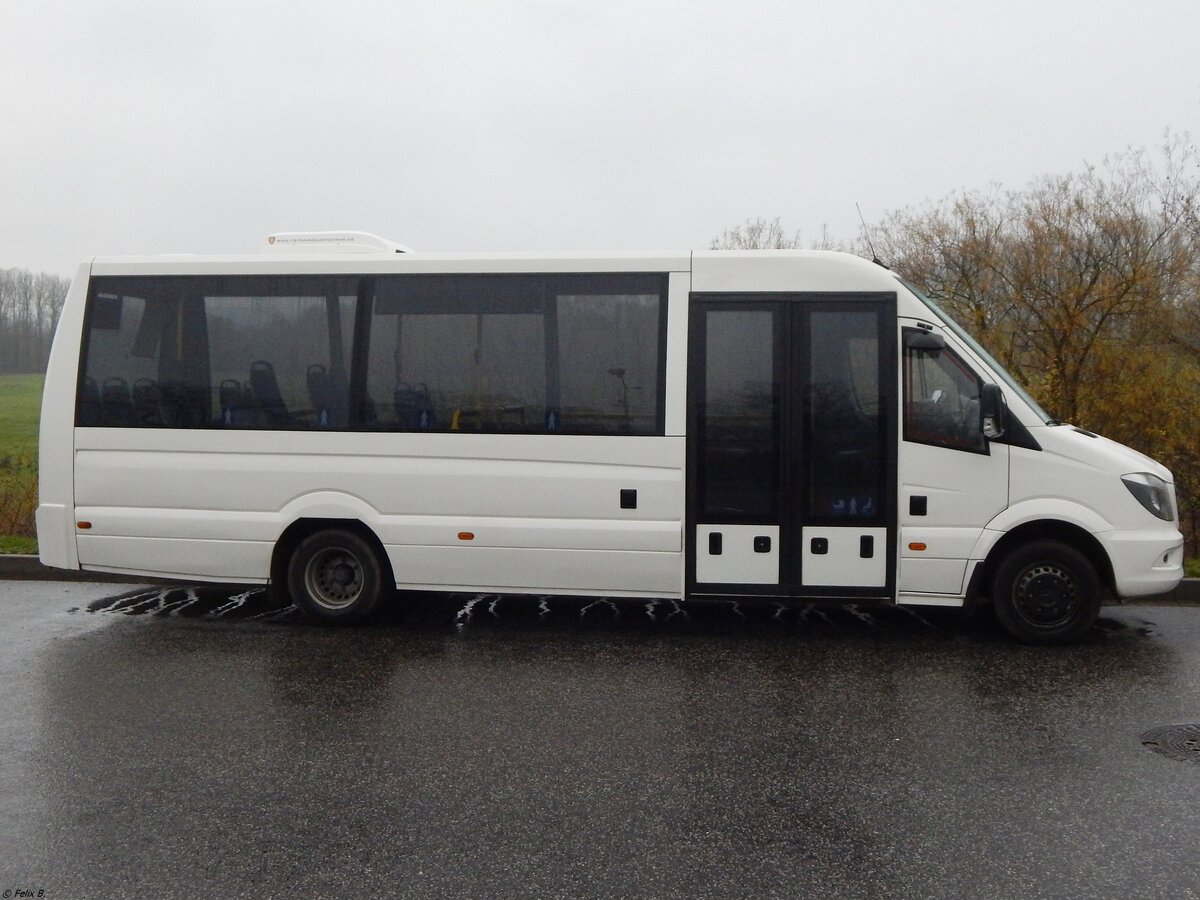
334,578
1045,595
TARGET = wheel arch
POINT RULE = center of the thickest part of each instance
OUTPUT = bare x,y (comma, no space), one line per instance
1042,530
301,528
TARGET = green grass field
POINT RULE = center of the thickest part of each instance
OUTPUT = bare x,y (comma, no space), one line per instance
20,403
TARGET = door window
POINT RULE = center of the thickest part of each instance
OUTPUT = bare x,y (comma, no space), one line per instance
941,401
739,416
844,433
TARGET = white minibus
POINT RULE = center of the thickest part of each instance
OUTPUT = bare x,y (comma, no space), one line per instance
339,418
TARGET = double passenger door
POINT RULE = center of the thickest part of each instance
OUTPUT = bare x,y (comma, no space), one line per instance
791,447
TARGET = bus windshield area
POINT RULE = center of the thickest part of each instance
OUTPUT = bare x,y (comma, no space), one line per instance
970,341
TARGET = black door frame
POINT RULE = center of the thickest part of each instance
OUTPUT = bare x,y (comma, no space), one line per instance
794,309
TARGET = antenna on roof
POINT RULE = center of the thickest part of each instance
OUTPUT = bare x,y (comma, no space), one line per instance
867,234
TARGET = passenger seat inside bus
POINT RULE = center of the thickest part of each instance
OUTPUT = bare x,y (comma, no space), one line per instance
147,402
269,400
327,392
414,407
115,402
90,410
237,404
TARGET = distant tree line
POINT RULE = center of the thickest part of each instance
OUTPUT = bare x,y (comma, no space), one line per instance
29,309
1086,286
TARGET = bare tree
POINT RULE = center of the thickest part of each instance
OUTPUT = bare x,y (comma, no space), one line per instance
1087,287
1059,280
30,306
757,234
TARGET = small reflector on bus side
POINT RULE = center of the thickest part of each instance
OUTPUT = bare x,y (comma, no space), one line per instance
84,525
466,535
916,545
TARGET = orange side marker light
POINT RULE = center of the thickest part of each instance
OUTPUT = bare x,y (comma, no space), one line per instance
83,525
916,545
466,535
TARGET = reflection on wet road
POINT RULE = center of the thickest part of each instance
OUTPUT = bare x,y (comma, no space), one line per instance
484,745
481,610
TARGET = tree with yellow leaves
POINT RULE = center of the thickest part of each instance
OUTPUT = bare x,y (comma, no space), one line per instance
1087,287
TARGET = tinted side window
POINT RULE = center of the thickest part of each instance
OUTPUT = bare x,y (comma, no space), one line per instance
145,362
192,352
527,353
941,401
610,372
111,368
515,353
454,353
281,362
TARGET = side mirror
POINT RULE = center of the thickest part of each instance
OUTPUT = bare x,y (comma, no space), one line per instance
992,411
924,341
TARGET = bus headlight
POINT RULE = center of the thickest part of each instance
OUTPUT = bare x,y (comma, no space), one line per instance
1152,492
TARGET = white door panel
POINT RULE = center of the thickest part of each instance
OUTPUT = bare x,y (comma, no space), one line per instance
737,554
952,480
838,556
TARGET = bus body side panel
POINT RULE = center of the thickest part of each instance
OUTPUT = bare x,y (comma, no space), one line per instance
487,512
948,493
56,501
679,287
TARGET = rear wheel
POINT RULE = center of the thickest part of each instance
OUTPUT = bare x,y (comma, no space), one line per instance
1046,592
336,576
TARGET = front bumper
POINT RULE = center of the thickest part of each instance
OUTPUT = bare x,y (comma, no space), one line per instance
1145,562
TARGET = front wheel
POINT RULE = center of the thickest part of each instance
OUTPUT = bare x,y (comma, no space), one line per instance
335,576
1046,592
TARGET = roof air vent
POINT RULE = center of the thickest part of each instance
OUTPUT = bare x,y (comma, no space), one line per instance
333,242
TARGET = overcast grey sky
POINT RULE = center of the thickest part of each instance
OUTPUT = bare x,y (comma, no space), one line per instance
451,125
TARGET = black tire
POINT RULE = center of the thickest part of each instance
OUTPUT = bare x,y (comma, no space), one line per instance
336,576
1046,592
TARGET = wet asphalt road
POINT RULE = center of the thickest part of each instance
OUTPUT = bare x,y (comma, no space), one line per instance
162,744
